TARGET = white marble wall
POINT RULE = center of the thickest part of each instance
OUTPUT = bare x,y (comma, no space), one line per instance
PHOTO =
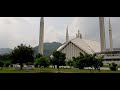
71,50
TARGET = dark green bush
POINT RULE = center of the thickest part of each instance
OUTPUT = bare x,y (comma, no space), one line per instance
113,67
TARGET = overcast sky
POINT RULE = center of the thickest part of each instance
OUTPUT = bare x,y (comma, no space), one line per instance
16,30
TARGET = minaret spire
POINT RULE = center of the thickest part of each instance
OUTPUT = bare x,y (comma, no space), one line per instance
41,37
67,35
102,34
110,36
79,34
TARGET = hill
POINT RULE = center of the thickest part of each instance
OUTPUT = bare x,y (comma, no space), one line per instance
5,51
49,48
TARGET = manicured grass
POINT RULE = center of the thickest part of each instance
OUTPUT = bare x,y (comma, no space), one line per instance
52,70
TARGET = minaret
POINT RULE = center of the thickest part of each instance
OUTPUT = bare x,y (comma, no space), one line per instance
110,36
102,34
79,34
67,36
41,37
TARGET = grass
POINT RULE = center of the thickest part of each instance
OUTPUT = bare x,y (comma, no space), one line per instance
52,70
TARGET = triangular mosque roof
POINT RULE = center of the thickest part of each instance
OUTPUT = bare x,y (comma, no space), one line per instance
88,46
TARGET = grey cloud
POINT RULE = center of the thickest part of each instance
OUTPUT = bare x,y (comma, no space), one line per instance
89,27
14,30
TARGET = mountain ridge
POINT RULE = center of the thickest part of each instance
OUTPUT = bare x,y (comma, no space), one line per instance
49,47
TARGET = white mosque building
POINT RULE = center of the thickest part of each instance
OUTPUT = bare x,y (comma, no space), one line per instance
73,47
77,45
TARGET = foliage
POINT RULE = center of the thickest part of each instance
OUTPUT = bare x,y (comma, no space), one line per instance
70,63
1,64
42,61
5,57
22,54
36,63
38,55
7,63
29,63
88,60
98,62
58,58
113,67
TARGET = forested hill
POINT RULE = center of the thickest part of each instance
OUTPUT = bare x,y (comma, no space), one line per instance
49,48
5,51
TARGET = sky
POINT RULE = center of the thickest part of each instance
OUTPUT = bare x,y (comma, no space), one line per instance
17,30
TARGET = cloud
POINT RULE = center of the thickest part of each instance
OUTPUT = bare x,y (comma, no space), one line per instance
89,27
16,30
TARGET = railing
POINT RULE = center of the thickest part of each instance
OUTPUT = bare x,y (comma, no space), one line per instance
112,56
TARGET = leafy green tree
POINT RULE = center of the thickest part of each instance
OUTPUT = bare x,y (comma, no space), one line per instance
7,63
42,61
52,62
98,62
22,54
70,63
36,63
5,57
80,61
1,64
88,60
38,55
58,58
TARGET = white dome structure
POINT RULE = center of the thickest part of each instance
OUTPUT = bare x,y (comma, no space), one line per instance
73,47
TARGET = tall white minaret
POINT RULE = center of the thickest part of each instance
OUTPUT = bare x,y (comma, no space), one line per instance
110,36
67,35
41,37
102,34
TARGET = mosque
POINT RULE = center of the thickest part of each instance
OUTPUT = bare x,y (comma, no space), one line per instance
73,47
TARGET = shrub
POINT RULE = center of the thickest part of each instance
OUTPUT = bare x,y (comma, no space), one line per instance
113,67
35,64
7,63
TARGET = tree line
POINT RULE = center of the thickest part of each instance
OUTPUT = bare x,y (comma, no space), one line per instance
23,54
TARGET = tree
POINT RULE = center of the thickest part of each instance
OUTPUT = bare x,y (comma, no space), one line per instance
7,63
22,54
5,59
1,64
80,61
38,55
70,63
88,60
97,62
42,61
52,62
58,58
36,63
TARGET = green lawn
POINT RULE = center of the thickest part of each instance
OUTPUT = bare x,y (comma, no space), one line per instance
52,70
